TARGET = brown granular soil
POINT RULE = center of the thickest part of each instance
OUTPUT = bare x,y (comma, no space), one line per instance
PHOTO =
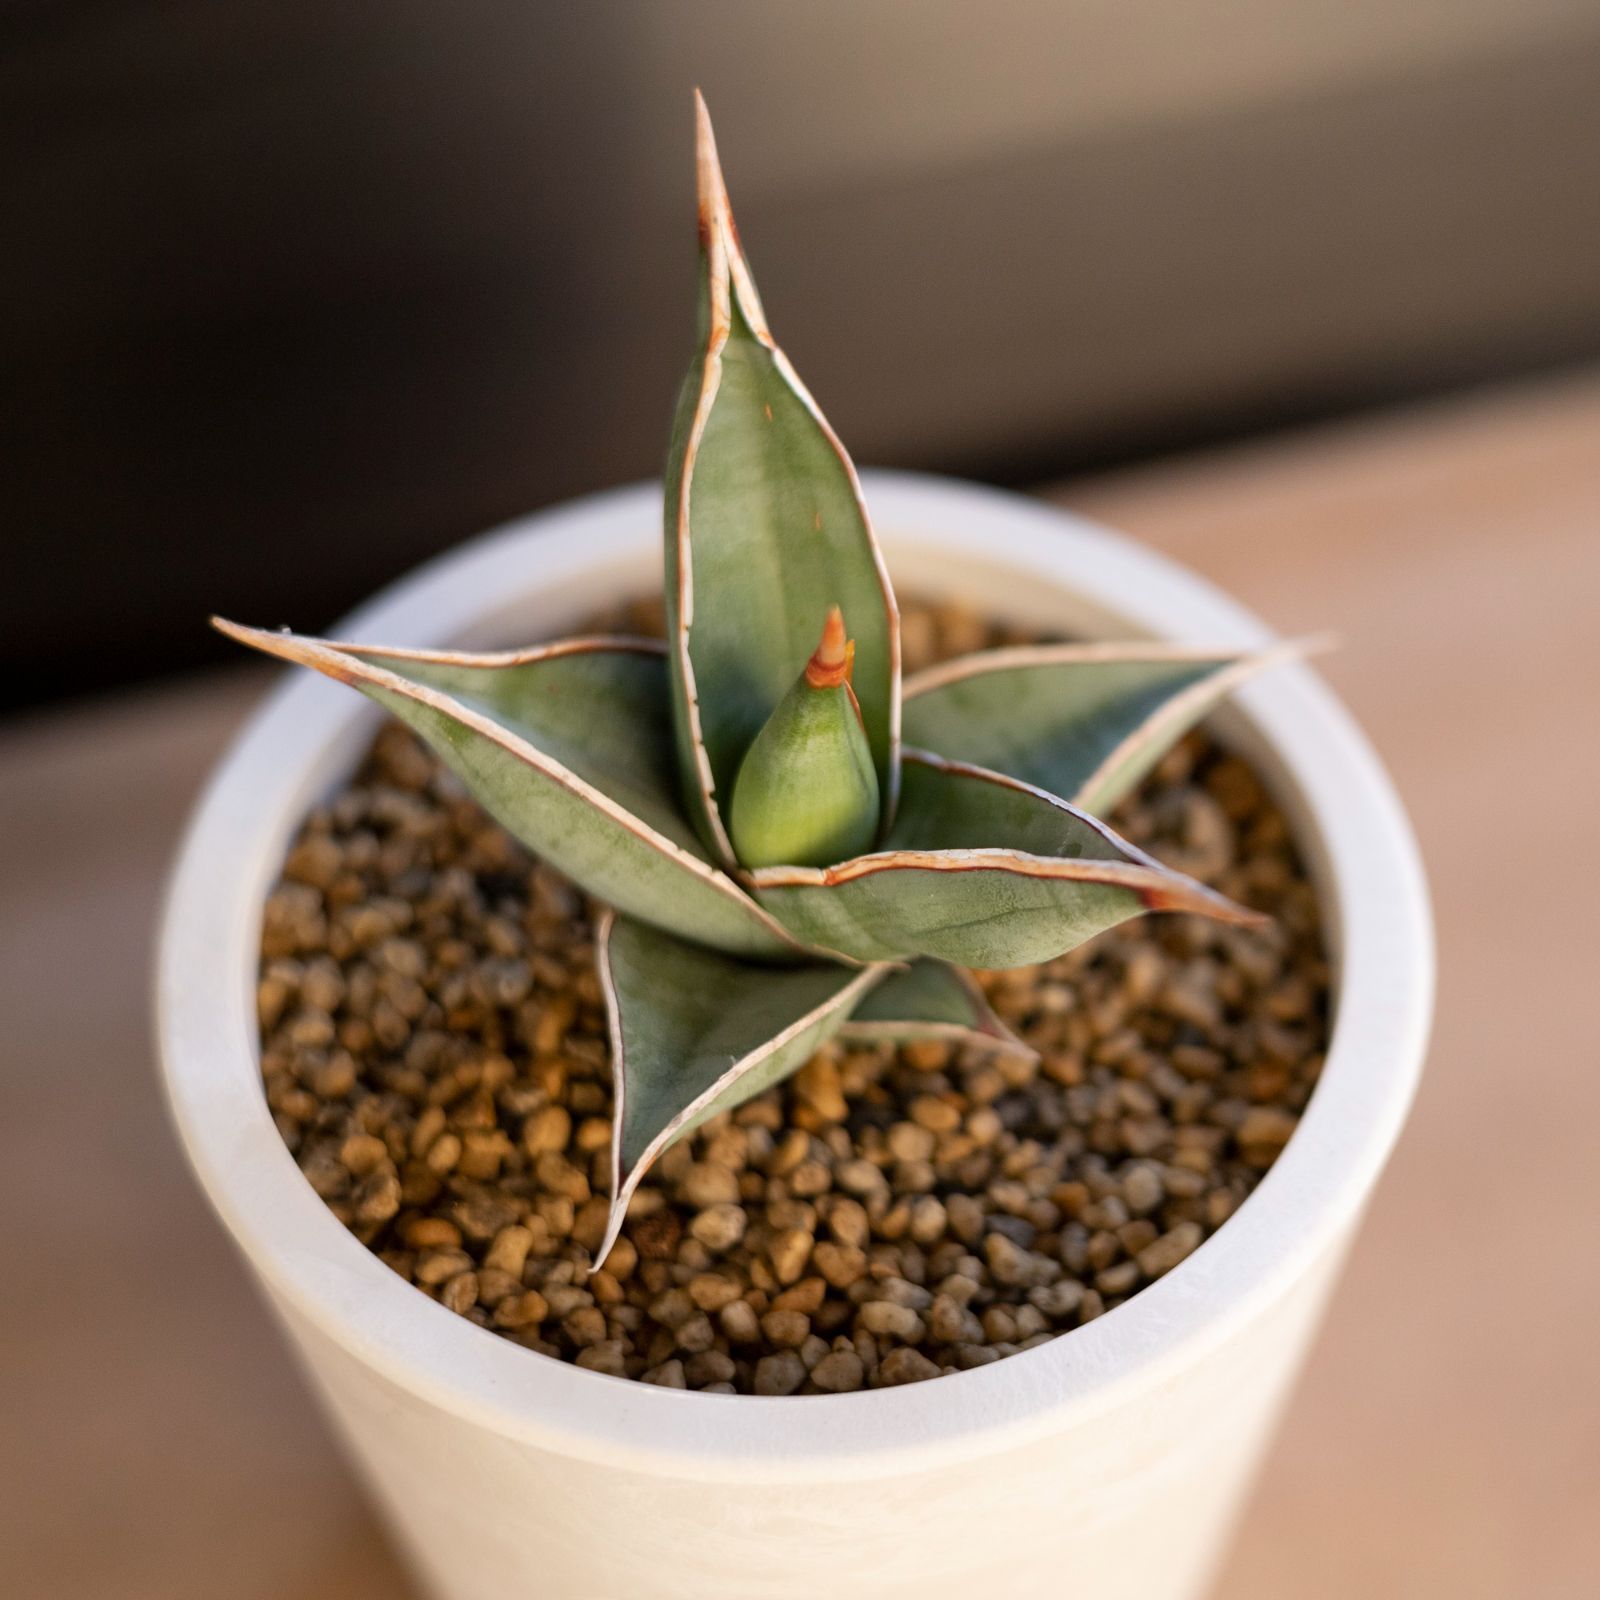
434,1054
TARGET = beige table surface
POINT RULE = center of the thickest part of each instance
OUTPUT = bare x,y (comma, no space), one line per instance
155,1442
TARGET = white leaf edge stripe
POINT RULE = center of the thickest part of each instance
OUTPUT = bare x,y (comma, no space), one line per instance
945,1032
1235,669
342,662
992,1033
728,273
622,1189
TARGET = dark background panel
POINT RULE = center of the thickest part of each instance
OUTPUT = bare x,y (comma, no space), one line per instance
294,295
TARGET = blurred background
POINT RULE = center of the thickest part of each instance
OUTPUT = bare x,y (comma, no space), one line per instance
1304,294
295,295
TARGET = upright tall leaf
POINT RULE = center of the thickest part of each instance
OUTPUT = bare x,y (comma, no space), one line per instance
1084,721
566,745
694,1033
765,530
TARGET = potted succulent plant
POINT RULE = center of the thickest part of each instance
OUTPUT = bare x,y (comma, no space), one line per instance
793,847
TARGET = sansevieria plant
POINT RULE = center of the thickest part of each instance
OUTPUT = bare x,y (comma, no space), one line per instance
791,843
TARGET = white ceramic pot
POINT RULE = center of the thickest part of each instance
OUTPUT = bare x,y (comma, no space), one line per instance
1106,1465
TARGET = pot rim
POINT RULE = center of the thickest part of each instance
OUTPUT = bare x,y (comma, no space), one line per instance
1032,558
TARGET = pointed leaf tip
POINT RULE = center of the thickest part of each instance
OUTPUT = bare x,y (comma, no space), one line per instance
1085,721
708,168
728,272
709,185
834,656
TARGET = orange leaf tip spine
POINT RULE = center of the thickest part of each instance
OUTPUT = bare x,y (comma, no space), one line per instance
835,656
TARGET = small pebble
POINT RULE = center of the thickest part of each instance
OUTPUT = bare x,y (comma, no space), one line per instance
719,1227
1142,1189
937,1115
905,1365
860,1177
696,1335
839,1264
1117,1280
673,1307
780,1373
606,1357
709,1366
885,1317
1166,1252
838,1372
707,1184
547,1130
785,1330
1010,1263
519,1311
1058,1301
711,1291
848,1222
740,1322
952,1323
789,1252
910,1142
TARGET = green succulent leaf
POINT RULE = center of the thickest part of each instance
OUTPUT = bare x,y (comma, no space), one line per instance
565,745
694,1033
930,1000
1085,721
982,870
765,529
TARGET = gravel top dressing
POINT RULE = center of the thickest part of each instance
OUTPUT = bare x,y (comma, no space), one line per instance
434,1053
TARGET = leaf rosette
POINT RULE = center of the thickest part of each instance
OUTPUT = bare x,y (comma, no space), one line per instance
778,870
